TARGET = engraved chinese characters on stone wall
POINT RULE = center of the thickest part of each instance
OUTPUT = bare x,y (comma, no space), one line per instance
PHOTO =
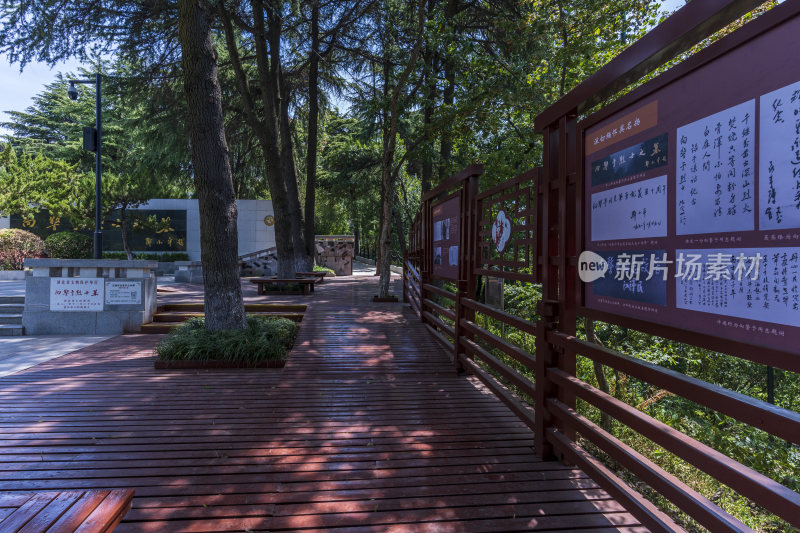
76,294
715,176
779,159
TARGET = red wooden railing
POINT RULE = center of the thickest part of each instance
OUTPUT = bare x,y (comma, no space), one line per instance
547,212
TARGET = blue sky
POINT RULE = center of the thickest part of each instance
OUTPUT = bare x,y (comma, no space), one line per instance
18,88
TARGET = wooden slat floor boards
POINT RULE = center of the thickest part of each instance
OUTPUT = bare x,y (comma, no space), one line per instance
366,428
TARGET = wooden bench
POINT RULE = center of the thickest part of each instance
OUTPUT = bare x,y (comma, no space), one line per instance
87,511
307,284
320,276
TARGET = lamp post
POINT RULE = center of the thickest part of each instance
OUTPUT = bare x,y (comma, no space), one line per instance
72,92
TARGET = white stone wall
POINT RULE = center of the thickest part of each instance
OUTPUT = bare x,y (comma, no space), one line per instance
254,234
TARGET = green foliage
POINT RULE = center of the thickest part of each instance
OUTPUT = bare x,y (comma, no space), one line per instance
69,245
30,181
265,339
56,173
750,446
319,268
166,257
16,245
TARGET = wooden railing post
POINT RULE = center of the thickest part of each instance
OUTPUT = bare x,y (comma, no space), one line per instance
458,347
405,277
546,357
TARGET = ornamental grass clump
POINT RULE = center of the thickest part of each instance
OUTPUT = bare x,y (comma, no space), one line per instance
265,339
330,271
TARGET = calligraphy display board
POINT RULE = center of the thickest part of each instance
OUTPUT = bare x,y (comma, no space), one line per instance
446,238
691,198
149,230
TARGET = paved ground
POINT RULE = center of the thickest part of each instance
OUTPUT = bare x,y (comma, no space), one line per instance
19,353
367,429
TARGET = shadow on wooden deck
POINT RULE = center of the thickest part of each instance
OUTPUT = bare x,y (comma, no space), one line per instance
367,428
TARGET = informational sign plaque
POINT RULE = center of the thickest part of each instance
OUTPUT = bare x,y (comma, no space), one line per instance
695,207
446,238
76,294
124,292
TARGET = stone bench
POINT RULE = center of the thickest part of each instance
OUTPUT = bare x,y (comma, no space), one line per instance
307,284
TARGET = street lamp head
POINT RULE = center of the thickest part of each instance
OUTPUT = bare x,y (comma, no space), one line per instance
72,91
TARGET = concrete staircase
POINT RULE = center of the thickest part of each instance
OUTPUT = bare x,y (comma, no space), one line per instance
169,316
11,308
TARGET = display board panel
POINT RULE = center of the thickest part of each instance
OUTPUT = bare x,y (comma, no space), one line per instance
446,238
692,199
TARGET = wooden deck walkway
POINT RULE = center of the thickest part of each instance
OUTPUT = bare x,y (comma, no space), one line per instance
366,429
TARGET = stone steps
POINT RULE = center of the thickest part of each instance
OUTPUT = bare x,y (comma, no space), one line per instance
170,316
11,319
11,308
10,330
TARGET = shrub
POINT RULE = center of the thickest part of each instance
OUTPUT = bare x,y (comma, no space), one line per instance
150,256
265,339
166,257
330,271
69,245
16,245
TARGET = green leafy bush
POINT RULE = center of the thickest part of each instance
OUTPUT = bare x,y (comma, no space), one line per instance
69,245
165,257
265,339
330,271
16,245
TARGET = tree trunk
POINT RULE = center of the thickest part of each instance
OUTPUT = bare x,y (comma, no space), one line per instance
302,258
427,119
448,97
357,240
123,230
265,123
313,128
399,227
224,307
389,145
427,115
385,238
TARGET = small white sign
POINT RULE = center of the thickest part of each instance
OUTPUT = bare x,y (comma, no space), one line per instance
76,294
123,292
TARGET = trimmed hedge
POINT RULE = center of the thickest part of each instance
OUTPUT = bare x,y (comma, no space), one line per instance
16,245
265,339
166,257
69,245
